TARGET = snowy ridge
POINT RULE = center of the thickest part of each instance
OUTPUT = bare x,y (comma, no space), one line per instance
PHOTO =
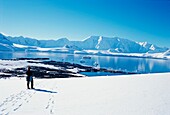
5,44
167,53
99,43
152,47
19,46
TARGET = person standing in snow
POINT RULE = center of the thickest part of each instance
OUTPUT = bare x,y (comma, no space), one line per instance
29,78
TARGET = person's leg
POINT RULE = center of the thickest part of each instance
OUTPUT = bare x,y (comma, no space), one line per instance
28,84
32,84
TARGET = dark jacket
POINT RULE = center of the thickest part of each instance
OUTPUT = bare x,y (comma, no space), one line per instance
29,73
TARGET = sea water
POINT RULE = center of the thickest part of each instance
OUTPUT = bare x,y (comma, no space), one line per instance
129,64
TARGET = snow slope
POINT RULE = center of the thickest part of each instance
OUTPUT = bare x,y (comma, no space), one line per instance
5,44
147,94
23,40
114,44
152,48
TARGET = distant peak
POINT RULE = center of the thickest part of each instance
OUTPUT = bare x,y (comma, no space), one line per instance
142,43
1,34
64,39
92,37
21,36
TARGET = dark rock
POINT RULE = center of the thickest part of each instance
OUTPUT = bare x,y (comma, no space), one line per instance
45,72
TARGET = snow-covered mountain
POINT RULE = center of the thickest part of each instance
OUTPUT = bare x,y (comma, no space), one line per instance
111,44
5,44
167,53
152,48
24,41
54,43
8,45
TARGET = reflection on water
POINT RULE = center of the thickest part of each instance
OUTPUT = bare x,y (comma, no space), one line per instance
142,65
92,74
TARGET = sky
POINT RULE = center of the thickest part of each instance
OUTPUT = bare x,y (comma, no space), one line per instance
137,20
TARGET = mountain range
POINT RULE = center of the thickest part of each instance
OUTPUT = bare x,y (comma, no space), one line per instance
112,44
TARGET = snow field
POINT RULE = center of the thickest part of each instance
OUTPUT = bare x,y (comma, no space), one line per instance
147,94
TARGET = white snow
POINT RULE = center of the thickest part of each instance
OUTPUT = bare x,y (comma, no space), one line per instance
19,46
152,47
108,52
46,49
11,64
164,55
114,44
4,44
1,73
147,94
142,43
167,53
75,70
99,41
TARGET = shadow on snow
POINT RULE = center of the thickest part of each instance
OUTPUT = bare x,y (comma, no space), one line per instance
46,91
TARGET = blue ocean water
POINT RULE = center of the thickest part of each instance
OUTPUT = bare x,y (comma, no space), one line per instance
130,64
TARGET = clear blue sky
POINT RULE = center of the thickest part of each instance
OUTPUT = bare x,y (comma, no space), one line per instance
138,20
